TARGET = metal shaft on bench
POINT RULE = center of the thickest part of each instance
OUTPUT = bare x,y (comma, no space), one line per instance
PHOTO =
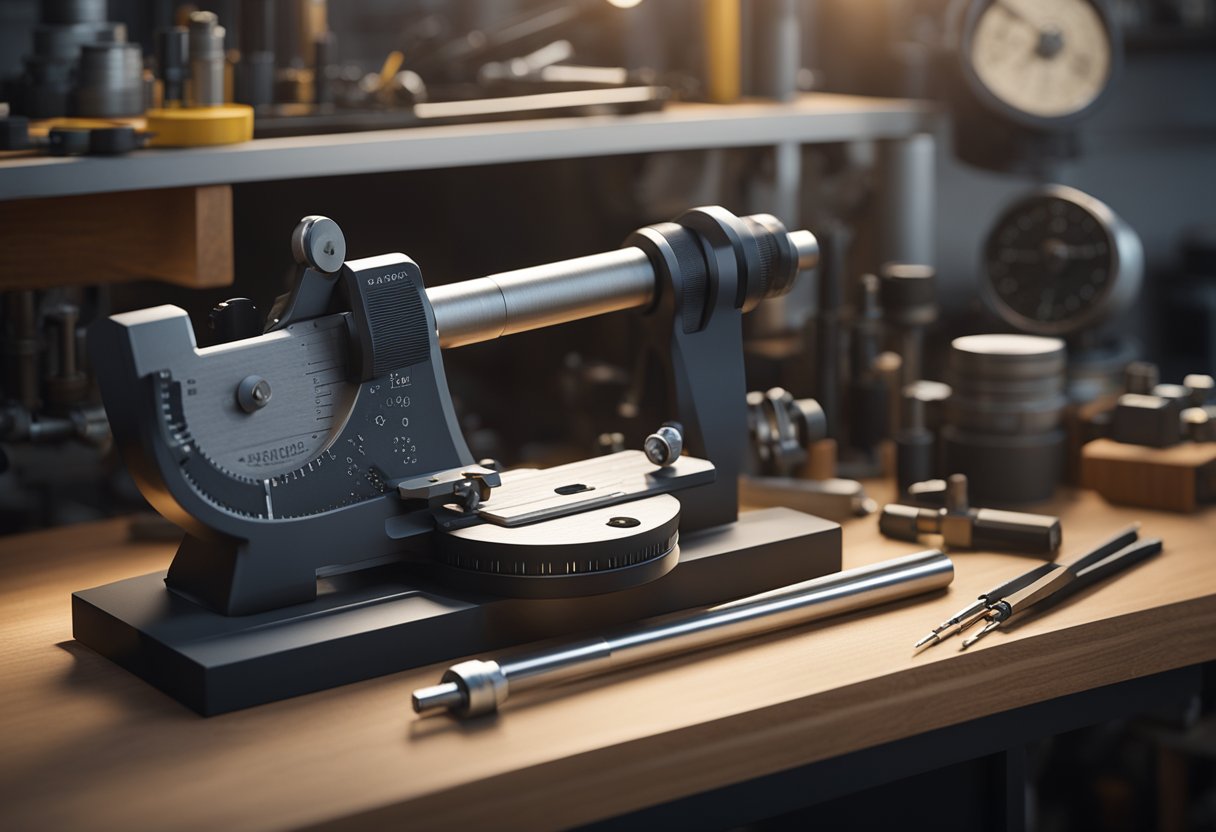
503,304
479,687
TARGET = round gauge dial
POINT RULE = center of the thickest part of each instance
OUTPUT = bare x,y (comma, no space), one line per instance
1038,61
1058,261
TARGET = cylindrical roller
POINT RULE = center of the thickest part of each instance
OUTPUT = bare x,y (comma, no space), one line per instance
172,59
206,60
915,446
110,81
1005,469
1015,531
1004,415
902,522
503,304
480,687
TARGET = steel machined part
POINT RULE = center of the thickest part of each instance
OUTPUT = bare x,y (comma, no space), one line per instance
782,430
110,80
664,446
319,472
481,687
915,444
206,52
319,242
833,498
490,307
172,62
1004,415
908,294
291,438
944,507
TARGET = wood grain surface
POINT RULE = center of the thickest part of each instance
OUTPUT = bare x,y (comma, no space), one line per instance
1178,478
86,745
178,235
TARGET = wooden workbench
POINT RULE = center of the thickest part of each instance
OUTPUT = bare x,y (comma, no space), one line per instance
84,744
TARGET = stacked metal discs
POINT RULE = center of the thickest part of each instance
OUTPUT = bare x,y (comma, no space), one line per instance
1003,420
110,80
81,65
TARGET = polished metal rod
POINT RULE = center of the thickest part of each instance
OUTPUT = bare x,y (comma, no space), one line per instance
479,687
489,307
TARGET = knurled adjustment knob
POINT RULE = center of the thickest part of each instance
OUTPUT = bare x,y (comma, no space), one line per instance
778,257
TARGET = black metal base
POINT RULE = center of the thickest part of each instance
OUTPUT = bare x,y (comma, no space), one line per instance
385,620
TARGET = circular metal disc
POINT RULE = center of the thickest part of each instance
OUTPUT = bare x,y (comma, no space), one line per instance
588,553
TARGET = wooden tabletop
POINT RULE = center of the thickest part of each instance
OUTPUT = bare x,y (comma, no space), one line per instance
87,745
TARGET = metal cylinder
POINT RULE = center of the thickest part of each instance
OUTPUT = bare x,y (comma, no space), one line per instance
915,445
1007,384
206,60
172,60
907,177
1004,416
110,81
473,688
503,304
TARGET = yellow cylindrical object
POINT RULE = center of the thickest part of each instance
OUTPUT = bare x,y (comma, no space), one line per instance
198,126
723,50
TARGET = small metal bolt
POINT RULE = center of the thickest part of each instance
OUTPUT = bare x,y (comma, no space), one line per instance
957,501
664,446
253,393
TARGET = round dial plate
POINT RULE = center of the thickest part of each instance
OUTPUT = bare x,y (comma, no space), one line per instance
1058,261
1042,61
309,403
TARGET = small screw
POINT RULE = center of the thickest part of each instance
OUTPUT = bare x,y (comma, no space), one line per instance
253,393
624,522
664,446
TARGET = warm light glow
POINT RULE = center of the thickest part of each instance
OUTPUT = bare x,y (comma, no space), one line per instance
625,4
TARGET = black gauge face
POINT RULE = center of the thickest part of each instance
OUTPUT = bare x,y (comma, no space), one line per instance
1050,264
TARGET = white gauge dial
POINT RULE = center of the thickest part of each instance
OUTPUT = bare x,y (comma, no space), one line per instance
1048,59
